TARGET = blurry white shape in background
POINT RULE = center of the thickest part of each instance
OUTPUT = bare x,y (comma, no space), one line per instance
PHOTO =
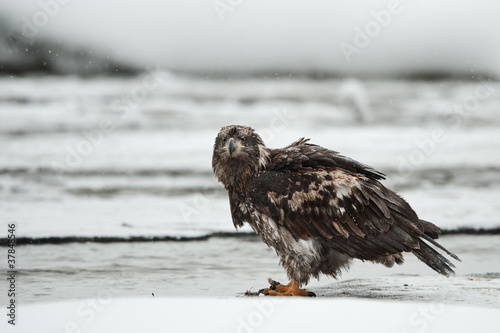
353,93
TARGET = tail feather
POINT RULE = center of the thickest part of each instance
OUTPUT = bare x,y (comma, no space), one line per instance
430,229
436,244
431,257
434,259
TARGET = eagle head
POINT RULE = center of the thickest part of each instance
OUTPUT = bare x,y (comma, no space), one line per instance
239,153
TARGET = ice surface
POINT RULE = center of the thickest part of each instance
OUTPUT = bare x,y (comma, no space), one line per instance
151,174
229,266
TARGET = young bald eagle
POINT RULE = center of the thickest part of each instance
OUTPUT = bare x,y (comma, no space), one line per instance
318,209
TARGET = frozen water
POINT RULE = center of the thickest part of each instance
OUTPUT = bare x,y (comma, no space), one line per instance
108,157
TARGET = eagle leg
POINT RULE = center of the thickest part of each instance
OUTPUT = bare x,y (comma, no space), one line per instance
291,289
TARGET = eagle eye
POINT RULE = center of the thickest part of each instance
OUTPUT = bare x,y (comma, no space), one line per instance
242,139
224,141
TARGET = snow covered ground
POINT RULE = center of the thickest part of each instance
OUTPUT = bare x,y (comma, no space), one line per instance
110,157
251,315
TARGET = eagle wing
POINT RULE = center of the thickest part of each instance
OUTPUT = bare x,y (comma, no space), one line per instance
314,192
301,154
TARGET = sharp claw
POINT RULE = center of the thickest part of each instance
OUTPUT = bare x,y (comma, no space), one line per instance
272,282
291,289
251,293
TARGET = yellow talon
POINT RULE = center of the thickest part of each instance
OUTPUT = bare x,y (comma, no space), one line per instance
291,289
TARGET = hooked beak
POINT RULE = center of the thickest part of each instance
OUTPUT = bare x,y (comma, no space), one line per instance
231,147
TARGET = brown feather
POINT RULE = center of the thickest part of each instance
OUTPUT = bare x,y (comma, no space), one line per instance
319,209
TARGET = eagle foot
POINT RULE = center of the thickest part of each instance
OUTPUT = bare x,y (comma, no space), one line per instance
291,289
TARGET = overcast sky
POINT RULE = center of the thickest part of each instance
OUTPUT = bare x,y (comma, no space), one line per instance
353,37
